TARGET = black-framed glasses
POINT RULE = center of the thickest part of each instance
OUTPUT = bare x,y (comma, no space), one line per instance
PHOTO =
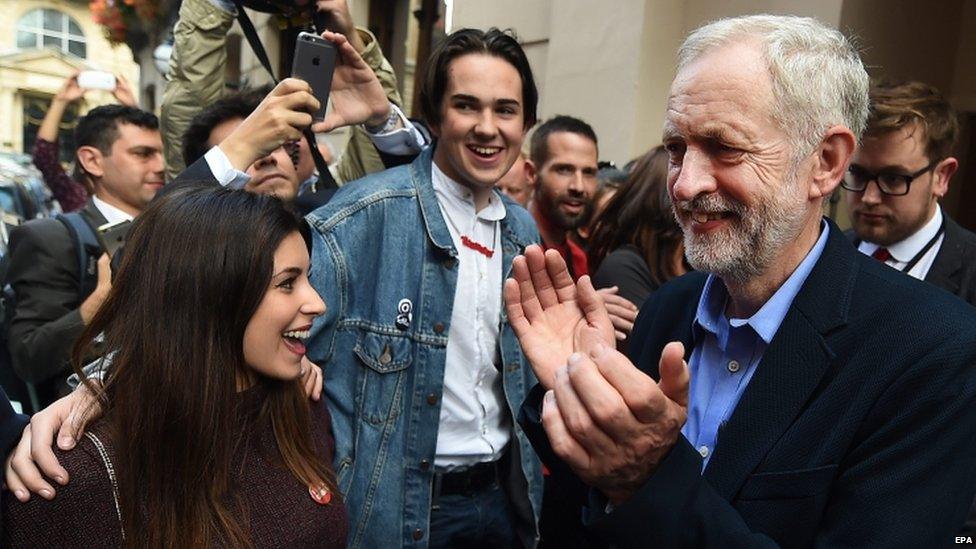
892,184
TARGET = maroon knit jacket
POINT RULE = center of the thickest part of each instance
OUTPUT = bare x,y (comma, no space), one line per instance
281,513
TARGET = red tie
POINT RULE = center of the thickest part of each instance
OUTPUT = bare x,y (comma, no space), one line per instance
881,254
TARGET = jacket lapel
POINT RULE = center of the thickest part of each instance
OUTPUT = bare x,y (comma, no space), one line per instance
437,231
790,370
948,262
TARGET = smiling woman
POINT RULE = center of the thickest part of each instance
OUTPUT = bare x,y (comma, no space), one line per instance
207,438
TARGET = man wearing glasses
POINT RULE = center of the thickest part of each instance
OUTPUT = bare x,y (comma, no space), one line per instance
895,182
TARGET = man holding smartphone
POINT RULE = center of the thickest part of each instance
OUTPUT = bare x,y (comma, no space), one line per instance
120,155
199,42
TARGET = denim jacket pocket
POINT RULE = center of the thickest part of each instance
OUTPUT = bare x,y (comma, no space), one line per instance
386,359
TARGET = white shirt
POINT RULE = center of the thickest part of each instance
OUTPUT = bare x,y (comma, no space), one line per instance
474,425
903,252
111,213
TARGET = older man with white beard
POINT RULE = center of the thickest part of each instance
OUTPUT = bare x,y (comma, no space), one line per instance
826,399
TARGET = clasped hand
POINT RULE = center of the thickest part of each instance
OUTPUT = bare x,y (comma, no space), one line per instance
609,421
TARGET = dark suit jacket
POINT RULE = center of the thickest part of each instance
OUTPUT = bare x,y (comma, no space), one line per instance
954,268
43,273
857,428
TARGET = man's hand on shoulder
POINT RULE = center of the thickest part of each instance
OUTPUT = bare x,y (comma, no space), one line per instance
34,455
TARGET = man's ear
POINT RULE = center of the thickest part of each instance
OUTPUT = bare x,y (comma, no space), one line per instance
943,173
531,172
90,159
832,158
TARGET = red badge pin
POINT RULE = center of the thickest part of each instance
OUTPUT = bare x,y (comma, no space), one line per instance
321,495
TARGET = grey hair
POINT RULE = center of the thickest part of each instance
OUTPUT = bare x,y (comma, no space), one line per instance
817,74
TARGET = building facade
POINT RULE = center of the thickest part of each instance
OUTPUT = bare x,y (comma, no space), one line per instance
41,43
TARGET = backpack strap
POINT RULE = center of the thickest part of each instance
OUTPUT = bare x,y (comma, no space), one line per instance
88,249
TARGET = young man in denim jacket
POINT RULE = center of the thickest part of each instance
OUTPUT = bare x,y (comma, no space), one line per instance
423,372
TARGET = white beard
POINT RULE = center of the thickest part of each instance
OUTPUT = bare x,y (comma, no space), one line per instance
752,239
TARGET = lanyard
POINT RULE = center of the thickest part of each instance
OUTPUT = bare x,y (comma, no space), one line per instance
928,246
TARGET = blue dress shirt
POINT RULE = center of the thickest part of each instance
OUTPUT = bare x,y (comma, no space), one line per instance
728,351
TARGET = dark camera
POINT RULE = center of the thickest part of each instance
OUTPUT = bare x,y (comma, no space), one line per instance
269,6
290,11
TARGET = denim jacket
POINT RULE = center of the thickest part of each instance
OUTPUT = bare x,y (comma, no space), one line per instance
386,267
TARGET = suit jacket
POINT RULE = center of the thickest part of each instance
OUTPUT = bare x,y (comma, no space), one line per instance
954,268
856,429
43,273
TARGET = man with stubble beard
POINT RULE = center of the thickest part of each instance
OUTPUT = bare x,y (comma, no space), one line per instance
896,180
562,168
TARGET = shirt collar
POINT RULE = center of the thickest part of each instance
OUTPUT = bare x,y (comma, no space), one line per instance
904,251
111,213
455,196
766,321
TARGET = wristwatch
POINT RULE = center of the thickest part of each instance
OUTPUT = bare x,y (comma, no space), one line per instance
388,125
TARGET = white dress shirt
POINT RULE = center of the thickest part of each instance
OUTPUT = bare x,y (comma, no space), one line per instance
903,252
111,213
474,424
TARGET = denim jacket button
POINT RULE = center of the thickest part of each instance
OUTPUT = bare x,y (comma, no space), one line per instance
424,465
449,263
439,327
418,534
432,399
386,357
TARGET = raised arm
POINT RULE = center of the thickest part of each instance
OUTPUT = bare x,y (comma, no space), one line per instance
68,192
196,73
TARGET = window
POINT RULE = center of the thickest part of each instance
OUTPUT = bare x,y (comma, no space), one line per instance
34,109
50,28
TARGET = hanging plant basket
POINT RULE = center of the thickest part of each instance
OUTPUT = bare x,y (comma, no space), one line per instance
131,22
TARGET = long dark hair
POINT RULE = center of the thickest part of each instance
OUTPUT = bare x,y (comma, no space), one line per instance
196,265
639,214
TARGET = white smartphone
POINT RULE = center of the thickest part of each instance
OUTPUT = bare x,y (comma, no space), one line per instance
96,80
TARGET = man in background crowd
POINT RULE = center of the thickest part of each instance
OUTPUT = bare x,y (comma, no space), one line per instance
196,80
515,184
70,194
120,154
896,180
562,169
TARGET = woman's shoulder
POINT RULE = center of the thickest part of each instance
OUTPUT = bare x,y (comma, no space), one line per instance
82,513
